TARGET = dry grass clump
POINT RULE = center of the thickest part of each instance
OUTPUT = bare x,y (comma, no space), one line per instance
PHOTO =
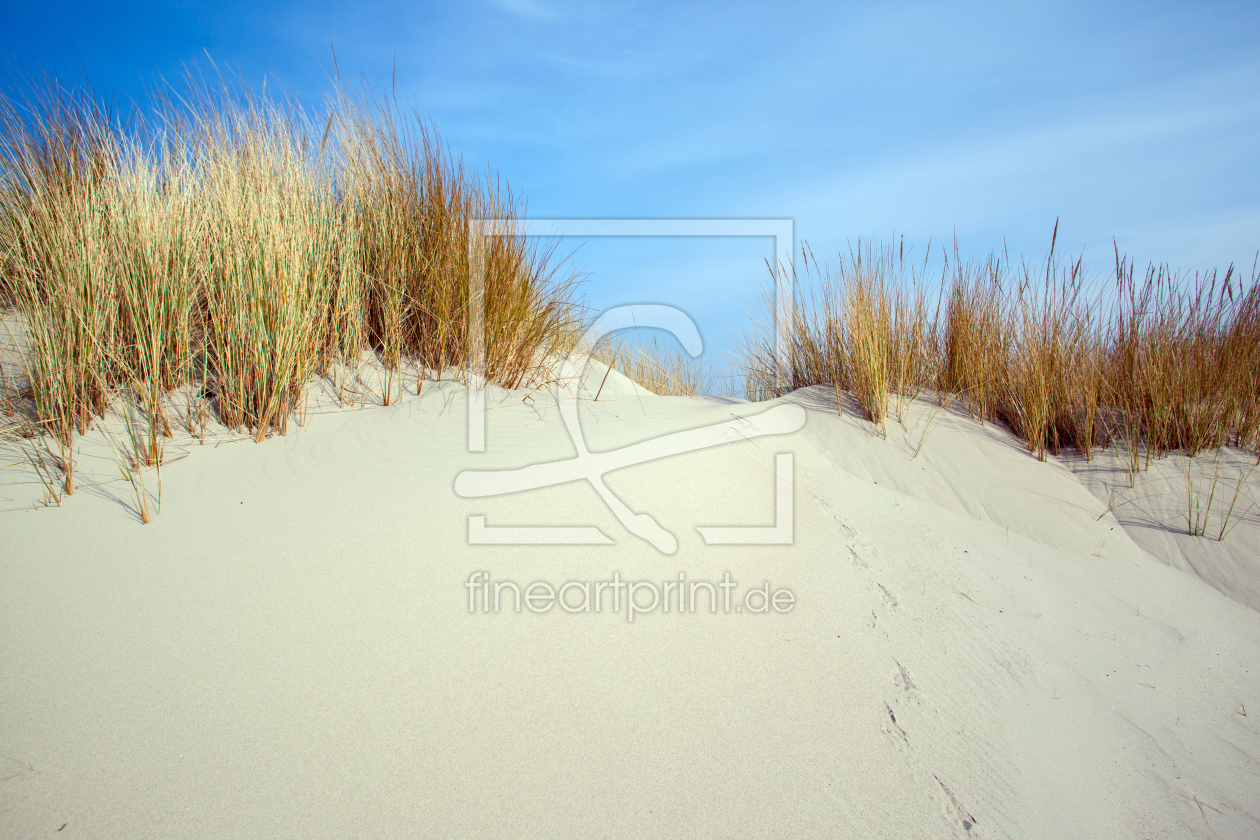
865,327
1050,367
1169,362
241,246
663,370
408,206
56,165
975,336
1185,359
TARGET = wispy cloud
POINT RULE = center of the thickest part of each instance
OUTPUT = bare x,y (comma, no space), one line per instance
527,9
1128,166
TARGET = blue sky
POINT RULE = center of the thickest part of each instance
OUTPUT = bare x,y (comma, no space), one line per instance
1139,121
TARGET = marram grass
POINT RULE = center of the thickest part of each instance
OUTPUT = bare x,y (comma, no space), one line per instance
238,246
241,246
1159,362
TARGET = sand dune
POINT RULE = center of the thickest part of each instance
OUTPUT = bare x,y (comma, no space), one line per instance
287,649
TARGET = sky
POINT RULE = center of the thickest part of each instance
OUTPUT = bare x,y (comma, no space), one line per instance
1132,123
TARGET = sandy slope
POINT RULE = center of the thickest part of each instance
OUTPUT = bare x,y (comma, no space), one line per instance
287,649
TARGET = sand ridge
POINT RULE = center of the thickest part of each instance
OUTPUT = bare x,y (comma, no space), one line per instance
287,649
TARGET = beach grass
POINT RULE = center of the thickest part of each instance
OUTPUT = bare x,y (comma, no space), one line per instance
236,246
242,245
661,367
1159,361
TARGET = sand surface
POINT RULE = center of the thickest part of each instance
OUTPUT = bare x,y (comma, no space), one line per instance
287,649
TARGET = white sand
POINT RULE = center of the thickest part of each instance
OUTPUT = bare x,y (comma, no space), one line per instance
286,651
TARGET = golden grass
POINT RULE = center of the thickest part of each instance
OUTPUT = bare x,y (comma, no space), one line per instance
864,327
1167,362
663,370
242,246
